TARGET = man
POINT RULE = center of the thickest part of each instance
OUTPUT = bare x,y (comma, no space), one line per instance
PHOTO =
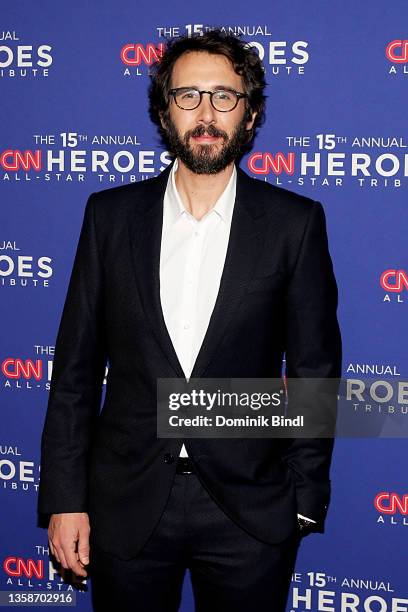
199,272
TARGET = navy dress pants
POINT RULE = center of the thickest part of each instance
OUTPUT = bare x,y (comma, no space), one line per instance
230,570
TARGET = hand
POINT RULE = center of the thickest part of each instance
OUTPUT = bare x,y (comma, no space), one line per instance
65,530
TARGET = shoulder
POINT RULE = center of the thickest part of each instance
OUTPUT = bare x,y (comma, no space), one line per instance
124,195
293,212
111,207
278,199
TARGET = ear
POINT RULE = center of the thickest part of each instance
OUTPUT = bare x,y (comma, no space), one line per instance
162,121
250,122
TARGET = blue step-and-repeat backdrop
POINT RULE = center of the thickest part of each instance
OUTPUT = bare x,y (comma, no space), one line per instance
73,96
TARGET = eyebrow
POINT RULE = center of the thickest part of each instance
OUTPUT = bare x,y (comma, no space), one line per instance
213,88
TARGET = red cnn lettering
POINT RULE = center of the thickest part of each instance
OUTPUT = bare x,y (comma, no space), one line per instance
17,368
394,280
265,163
17,160
135,54
397,51
391,503
15,566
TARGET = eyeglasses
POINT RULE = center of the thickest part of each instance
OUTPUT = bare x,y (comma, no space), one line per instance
223,100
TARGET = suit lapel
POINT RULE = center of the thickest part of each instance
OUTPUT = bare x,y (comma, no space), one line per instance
145,227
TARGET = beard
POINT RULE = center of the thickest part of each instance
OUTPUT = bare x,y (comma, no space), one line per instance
203,158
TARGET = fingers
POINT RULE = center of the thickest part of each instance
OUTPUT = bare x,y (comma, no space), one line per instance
61,557
53,549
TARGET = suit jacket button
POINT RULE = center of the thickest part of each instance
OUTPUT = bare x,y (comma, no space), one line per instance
169,458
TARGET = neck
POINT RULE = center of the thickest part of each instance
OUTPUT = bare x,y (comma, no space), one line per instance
199,192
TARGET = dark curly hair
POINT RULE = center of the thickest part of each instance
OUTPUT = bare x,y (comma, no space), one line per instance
245,61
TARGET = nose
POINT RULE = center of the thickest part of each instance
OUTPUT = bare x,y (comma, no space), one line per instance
206,113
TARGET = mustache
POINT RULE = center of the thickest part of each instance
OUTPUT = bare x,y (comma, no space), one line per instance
210,130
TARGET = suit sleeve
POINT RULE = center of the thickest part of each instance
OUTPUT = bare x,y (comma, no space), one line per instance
76,381
313,350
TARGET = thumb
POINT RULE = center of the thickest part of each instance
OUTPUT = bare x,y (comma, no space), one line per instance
83,547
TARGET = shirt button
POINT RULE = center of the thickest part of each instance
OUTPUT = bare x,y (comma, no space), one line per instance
196,233
168,458
186,326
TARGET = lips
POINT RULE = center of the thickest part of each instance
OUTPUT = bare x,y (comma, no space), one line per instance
206,139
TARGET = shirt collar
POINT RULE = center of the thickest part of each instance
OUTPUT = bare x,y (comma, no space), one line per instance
223,206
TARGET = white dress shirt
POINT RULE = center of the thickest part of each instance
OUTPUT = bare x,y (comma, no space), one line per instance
192,259
191,263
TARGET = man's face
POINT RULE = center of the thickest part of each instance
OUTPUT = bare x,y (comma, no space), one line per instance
206,140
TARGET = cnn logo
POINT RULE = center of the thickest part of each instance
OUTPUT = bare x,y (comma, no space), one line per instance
397,51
